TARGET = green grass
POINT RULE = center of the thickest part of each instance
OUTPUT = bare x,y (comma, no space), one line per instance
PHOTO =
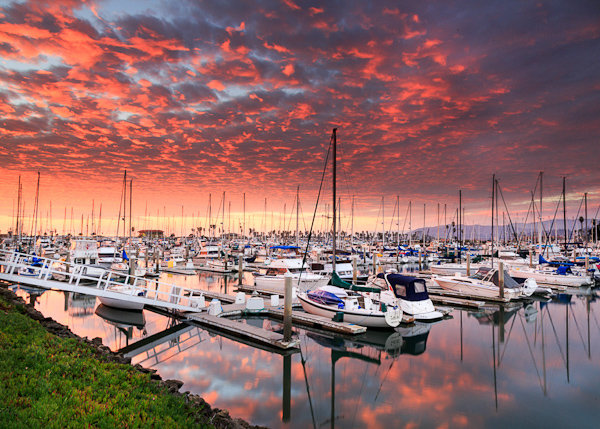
52,382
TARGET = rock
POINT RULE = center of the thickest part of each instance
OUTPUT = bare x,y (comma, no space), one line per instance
97,341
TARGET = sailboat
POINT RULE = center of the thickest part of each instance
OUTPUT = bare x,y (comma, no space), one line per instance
349,304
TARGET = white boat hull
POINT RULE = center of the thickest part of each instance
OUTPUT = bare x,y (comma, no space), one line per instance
277,283
550,278
119,303
362,317
474,287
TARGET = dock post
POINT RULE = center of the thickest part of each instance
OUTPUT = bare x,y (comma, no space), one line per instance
132,266
287,308
468,265
530,258
420,261
240,268
587,265
501,278
354,269
375,262
68,261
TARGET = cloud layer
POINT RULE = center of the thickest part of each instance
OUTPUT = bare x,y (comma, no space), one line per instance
197,97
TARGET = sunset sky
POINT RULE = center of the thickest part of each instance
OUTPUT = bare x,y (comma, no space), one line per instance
193,98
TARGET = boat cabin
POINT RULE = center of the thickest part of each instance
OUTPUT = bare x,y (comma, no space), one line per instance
405,287
84,252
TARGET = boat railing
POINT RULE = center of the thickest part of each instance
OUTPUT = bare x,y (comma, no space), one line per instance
51,273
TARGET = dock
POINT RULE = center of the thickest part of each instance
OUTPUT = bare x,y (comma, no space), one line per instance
260,335
166,298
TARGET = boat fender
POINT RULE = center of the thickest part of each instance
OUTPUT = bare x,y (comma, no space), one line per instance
529,287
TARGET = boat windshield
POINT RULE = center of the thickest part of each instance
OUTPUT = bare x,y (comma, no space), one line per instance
275,271
481,274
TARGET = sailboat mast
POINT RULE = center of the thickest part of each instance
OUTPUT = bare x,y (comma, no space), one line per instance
493,194
130,205
383,220
35,210
352,224
398,227
124,202
541,240
334,193
410,224
565,211
18,229
298,216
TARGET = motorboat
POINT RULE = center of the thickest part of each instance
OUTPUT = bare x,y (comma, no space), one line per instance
485,284
302,277
219,266
354,307
410,292
124,303
561,275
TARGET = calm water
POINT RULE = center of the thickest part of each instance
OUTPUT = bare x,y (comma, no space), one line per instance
533,365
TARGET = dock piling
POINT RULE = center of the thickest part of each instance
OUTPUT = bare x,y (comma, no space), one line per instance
501,278
468,265
287,308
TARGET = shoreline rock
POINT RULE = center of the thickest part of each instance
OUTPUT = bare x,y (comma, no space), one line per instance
219,418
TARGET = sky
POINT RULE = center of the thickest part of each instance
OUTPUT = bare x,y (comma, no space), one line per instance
193,98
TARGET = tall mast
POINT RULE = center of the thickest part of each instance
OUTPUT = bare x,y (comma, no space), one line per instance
565,211
438,225
493,195
334,192
410,224
35,210
541,240
423,233
459,221
18,229
298,216
398,227
586,220
130,204
124,203
352,227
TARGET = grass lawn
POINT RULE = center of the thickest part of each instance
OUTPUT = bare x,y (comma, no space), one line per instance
52,382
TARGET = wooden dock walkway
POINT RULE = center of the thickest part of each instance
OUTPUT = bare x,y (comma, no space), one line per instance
244,330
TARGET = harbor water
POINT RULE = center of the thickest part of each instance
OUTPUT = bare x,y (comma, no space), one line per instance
529,364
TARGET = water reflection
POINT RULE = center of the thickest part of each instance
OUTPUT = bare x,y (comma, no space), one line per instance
525,365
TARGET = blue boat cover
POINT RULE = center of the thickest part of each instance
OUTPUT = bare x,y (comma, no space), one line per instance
405,287
284,247
562,270
324,297
555,263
